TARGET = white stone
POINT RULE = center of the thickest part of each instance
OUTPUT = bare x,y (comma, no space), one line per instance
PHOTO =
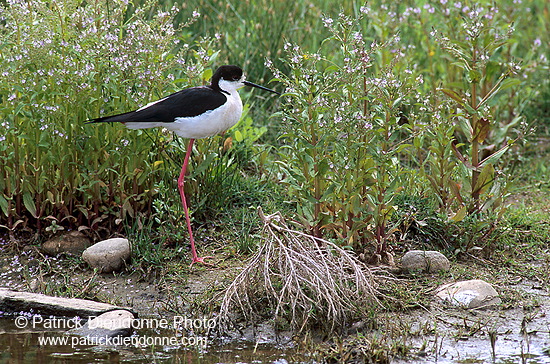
425,261
469,294
108,255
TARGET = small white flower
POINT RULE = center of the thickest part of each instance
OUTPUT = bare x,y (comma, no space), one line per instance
328,21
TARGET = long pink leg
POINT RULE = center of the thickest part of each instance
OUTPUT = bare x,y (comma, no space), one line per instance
181,182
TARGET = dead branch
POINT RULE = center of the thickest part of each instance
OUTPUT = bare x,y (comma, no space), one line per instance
300,279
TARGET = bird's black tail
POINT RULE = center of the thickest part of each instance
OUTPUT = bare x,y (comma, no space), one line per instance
119,118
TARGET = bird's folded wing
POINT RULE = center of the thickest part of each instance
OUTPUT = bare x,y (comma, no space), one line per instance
185,103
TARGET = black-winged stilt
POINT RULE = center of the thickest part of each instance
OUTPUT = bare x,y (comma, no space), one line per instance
194,113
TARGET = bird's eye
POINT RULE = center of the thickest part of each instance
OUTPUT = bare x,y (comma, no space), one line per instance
236,78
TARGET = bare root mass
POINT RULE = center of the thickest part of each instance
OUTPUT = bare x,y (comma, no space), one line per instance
298,279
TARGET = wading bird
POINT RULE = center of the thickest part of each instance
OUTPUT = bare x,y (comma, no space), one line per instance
194,113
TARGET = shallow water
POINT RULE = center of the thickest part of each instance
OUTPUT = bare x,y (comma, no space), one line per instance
478,350
42,345
30,348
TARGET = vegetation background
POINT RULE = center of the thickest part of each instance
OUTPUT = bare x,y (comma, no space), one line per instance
418,123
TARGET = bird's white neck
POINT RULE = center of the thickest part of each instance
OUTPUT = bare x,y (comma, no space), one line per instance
231,86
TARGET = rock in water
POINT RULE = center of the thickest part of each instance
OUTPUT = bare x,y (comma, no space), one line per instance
108,325
73,242
14,301
425,261
108,255
469,294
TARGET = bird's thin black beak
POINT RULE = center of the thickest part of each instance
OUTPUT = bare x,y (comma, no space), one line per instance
260,87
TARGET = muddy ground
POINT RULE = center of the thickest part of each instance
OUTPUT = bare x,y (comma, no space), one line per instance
422,331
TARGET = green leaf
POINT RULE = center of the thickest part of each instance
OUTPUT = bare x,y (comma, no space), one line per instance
238,136
397,102
4,205
491,69
496,88
28,201
495,201
493,158
356,204
331,69
465,127
484,179
460,157
18,108
455,189
127,207
50,197
203,165
483,127
459,215
474,76
455,96
214,56
509,82
207,74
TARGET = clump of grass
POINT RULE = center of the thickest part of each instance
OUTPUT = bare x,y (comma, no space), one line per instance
524,230
301,280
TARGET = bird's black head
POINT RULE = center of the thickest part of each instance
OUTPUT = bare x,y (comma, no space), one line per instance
232,73
228,73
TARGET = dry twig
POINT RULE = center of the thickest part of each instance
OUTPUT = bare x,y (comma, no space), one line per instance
300,278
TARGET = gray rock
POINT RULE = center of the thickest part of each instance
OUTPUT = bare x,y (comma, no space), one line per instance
73,242
108,255
469,294
14,301
107,325
425,261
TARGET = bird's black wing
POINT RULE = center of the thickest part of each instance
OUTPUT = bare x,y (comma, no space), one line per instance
185,103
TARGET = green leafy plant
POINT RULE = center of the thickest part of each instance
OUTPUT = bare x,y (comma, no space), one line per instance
63,63
473,50
67,62
344,134
471,132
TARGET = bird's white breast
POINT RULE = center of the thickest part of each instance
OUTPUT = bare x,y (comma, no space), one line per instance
211,122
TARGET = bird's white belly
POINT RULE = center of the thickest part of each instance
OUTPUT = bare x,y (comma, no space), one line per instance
211,122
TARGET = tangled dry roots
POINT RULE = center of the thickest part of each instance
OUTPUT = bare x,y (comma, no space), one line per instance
299,279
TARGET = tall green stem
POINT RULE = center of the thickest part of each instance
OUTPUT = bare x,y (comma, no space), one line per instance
475,128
